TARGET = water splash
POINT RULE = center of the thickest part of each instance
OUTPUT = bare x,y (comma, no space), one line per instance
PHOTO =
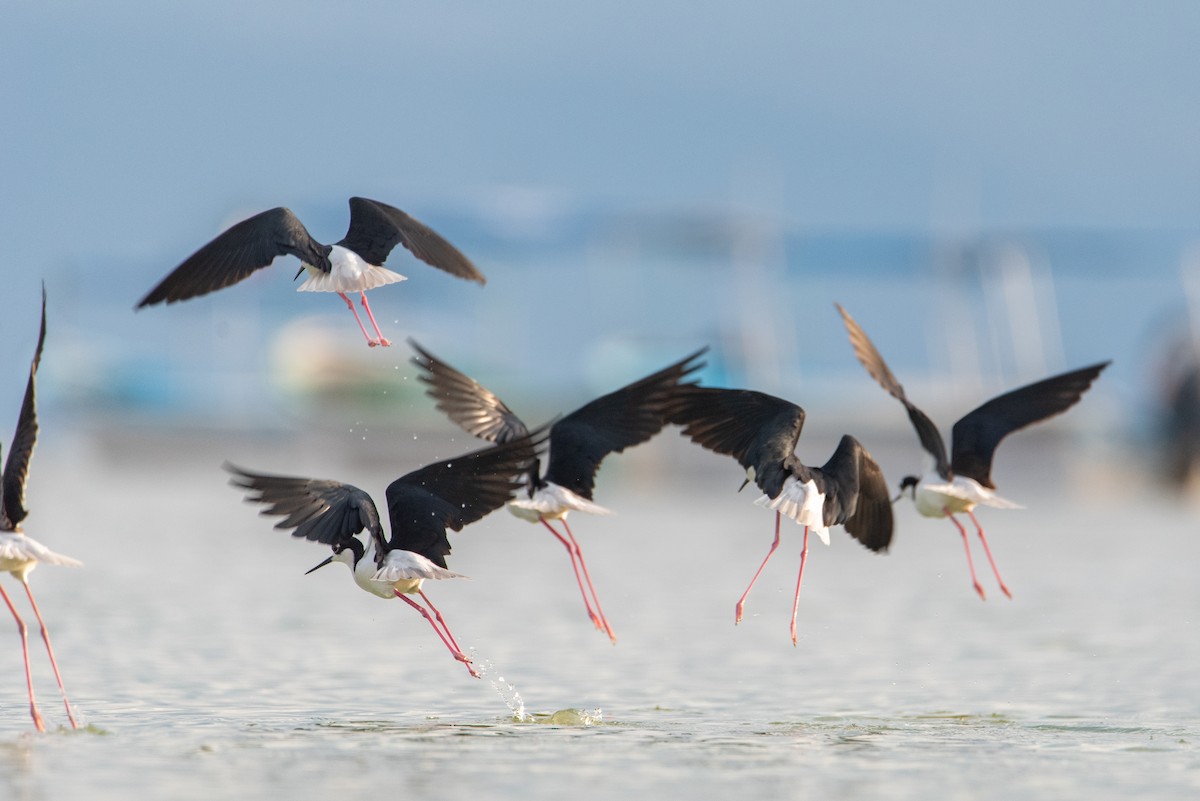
507,692
572,717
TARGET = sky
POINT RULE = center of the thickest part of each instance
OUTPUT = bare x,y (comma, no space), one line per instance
131,131
129,119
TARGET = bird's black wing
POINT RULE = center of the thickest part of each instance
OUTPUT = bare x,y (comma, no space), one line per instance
454,493
319,510
931,438
376,228
243,248
610,424
859,494
976,435
16,469
465,401
759,430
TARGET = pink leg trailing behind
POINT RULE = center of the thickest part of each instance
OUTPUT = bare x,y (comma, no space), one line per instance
988,551
742,601
50,653
448,641
799,578
21,628
967,546
350,305
384,341
597,617
586,577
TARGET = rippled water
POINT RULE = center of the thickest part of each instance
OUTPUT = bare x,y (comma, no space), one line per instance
207,665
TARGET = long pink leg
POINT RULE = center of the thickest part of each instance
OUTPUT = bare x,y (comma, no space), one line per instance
382,339
988,551
967,546
799,578
595,598
578,578
441,620
742,601
350,305
454,651
50,652
33,710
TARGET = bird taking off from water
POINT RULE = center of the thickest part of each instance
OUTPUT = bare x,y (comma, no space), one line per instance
355,264
421,506
961,481
19,553
579,442
761,432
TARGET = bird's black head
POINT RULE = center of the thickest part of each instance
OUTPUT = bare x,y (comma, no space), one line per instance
909,484
349,552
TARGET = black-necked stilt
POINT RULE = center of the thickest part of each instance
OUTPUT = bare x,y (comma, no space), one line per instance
761,432
352,265
421,506
19,553
963,480
578,443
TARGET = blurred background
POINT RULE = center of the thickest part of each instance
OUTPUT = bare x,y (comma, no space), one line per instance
996,193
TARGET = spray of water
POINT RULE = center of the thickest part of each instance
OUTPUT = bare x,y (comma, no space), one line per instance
507,692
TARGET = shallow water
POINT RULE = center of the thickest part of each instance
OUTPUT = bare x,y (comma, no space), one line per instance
206,664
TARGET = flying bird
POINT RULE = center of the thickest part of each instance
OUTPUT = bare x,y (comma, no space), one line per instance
961,481
355,264
421,506
761,432
579,442
20,553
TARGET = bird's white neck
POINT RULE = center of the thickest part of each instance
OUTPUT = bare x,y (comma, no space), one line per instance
363,571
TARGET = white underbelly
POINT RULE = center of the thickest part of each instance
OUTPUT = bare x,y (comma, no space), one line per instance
553,502
936,497
803,503
347,273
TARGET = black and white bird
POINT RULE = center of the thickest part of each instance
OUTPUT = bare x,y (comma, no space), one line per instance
421,506
579,442
761,432
355,264
959,482
20,553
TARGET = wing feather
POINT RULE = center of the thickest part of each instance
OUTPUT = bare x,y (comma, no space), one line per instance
927,432
454,493
323,511
857,495
240,250
611,423
20,453
376,228
475,408
760,431
977,434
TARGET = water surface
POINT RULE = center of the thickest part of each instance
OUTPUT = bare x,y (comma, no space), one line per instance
206,664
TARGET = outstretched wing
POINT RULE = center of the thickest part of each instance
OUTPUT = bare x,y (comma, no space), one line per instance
857,495
474,407
319,510
610,424
16,469
241,250
864,349
454,493
759,430
376,228
977,434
